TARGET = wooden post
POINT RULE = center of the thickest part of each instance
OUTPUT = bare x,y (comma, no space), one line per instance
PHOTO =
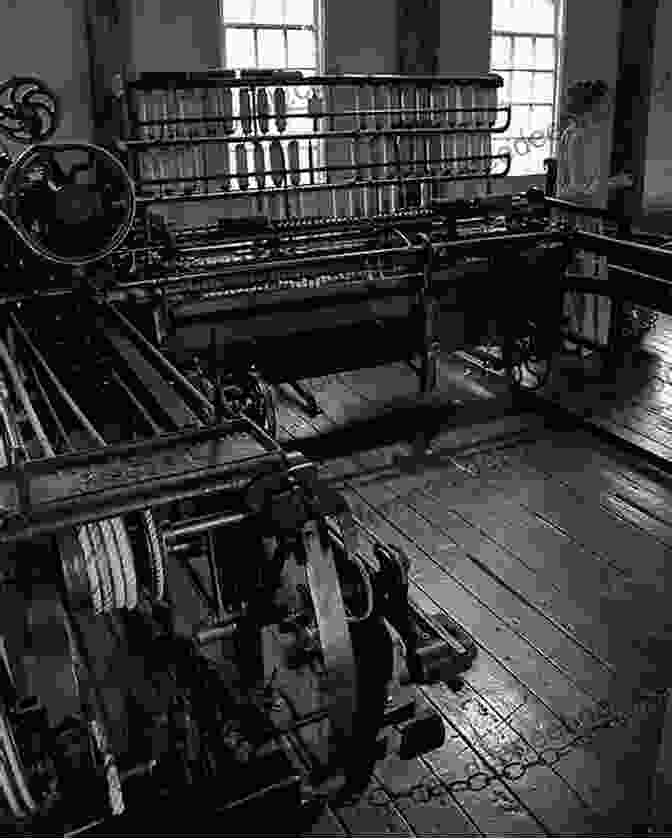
108,35
419,34
633,100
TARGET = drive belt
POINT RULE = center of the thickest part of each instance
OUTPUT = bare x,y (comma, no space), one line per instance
337,651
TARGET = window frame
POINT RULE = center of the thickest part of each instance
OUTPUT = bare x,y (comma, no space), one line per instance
317,27
557,36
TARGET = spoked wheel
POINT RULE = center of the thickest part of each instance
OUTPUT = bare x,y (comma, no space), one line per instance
71,204
262,408
529,360
250,395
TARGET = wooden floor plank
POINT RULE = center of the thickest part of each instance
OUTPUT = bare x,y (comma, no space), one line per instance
534,672
542,788
556,627
502,793
382,818
582,517
469,564
597,769
408,783
565,584
467,540
611,472
528,695
553,457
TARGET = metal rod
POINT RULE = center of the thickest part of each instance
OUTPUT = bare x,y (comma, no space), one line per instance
364,112
150,80
202,525
24,399
332,185
63,393
214,575
156,429
50,407
321,135
162,362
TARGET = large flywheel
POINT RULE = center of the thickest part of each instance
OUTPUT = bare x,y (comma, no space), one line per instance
70,203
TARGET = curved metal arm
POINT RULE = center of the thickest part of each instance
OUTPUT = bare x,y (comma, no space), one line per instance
30,111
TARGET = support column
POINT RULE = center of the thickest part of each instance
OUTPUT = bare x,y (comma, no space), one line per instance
419,36
108,35
633,102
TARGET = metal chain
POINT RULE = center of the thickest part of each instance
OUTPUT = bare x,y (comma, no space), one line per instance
438,790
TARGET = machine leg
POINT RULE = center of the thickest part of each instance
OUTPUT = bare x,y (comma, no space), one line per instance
310,402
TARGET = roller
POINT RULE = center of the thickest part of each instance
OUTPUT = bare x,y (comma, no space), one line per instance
245,110
262,110
241,166
280,105
278,172
294,163
259,165
315,109
226,109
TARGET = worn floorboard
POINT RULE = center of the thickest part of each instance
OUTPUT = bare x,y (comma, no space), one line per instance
550,548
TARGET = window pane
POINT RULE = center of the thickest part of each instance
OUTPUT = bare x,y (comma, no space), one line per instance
301,12
544,58
297,98
501,53
504,92
268,11
543,87
520,121
301,49
542,15
521,90
541,117
298,125
523,53
271,48
501,14
239,48
524,15
237,11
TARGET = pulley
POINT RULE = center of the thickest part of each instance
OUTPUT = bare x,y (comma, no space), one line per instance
69,203
98,567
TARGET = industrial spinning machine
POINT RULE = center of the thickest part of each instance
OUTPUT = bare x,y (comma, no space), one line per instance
188,612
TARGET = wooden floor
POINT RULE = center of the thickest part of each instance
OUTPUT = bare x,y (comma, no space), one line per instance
633,398
550,548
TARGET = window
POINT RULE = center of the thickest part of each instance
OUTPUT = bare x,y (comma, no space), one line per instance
525,49
275,35
271,34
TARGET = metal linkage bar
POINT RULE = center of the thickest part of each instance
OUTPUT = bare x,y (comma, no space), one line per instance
633,255
152,80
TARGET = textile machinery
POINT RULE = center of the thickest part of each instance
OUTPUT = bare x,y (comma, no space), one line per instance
184,599
187,610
